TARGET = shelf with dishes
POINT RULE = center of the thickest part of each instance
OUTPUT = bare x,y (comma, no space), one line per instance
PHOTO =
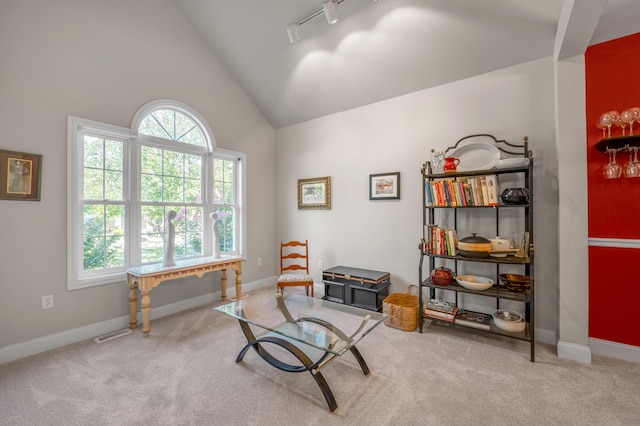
492,328
496,291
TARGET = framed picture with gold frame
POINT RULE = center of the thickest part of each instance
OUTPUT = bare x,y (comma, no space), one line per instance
314,193
20,175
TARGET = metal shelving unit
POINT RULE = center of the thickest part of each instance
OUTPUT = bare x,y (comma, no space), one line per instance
498,291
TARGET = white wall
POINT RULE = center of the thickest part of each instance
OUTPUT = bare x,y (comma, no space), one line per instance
102,60
397,135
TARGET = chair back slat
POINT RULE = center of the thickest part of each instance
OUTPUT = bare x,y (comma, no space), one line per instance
293,258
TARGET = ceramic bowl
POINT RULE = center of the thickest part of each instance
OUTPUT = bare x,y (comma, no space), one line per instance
515,282
509,320
473,282
442,276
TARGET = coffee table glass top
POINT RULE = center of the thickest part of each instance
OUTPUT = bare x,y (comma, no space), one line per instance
329,326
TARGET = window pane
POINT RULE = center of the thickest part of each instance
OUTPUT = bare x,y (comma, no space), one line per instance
151,160
218,193
152,233
113,185
228,193
93,220
173,163
193,166
173,125
226,224
114,155
228,171
115,248
152,248
193,223
103,237
151,188
93,152
173,191
93,184
114,220
192,191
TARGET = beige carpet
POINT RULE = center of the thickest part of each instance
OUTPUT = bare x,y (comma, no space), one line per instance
185,374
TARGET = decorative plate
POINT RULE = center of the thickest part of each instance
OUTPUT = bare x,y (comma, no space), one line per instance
473,282
476,156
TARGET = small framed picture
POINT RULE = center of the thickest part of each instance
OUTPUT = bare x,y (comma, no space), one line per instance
20,176
384,186
314,193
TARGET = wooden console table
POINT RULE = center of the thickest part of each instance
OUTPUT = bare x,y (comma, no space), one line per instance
145,278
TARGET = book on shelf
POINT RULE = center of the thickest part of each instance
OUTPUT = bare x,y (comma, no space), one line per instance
440,240
442,306
443,316
462,191
473,319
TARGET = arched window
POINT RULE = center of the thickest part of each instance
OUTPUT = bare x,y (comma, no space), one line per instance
127,181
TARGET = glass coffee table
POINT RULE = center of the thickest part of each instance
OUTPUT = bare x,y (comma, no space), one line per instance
314,331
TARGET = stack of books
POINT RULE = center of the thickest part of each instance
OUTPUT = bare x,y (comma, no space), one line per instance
462,191
441,310
473,319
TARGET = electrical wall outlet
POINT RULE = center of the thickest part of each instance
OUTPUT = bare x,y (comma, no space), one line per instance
320,264
259,261
47,302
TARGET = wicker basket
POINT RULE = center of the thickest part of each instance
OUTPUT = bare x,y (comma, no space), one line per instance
402,310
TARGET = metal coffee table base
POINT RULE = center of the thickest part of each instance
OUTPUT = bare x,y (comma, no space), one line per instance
312,358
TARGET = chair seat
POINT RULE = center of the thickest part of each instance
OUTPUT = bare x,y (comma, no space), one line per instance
293,278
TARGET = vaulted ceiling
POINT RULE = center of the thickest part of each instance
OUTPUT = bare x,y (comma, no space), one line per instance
381,49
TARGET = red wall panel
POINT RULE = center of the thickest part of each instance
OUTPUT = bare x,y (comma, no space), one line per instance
613,83
614,294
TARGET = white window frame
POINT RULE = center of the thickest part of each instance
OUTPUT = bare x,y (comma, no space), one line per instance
77,127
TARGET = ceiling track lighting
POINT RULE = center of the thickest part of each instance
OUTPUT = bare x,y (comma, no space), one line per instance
330,11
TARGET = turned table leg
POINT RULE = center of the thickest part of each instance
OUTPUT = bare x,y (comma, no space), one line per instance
223,284
145,306
133,303
239,281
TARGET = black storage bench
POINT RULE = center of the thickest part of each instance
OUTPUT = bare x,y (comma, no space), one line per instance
362,288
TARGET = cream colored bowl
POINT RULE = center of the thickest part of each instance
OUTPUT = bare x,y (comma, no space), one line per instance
473,282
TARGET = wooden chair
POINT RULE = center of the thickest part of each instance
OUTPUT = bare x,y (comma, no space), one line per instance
294,266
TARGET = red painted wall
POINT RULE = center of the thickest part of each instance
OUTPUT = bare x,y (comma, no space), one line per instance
613,83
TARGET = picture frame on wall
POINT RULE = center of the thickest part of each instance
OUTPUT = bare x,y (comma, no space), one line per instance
314,193
384,186
20,174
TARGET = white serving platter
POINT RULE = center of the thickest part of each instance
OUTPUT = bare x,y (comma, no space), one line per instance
506,163
476,156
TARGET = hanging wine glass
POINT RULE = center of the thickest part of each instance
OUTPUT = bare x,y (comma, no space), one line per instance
629,117
613,169
630,169
635,111
607,119
620,123
635,159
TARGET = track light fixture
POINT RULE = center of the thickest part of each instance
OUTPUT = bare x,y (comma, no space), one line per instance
330,11
292,32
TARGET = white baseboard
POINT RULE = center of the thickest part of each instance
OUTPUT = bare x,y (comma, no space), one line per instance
615,350
574,352
53,341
